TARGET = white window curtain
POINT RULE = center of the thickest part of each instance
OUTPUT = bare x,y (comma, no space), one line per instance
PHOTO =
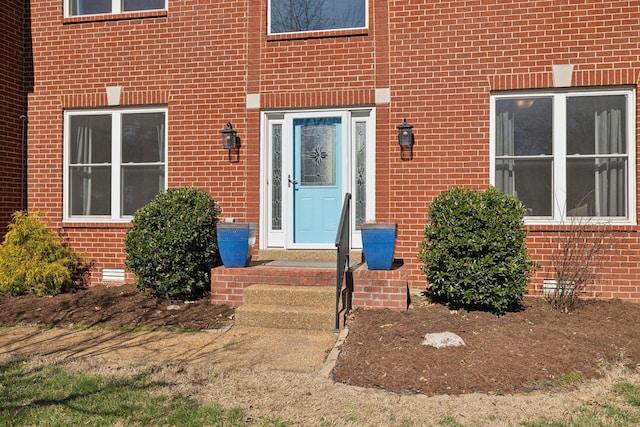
505,176
610,175
160,125
84,143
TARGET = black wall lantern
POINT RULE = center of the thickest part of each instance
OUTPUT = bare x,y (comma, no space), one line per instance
231,142
406,141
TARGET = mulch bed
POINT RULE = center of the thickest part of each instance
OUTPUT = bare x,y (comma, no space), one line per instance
114,307
534,348
517,352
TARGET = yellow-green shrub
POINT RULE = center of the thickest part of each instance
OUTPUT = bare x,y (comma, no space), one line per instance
33,259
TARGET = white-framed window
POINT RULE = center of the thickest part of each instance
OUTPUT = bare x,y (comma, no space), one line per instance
102,7
115,161
566,154
293,16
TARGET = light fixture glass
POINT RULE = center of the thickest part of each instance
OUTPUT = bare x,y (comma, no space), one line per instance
525,103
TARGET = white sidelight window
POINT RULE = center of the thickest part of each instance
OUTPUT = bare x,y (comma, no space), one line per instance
566,154
292,16
115,162
101,7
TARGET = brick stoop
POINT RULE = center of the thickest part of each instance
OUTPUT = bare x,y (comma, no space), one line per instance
228,284
288,307
372,288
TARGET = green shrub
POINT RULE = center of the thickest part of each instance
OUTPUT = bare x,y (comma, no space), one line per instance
474,250
34,261
172,244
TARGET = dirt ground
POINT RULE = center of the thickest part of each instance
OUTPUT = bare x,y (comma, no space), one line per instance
516,352
513,368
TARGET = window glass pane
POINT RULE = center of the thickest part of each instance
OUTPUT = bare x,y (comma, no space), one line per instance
524,127
597,187
276,177
90,188
530,181
90,139
288,16
596,124
140,184
89,7
131,5
318,145
361,173
143,136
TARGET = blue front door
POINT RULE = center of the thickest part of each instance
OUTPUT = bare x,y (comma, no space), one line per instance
317,179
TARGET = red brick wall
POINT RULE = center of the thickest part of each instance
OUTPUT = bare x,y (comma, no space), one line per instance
618,274
446,58
12,105
191,58
439,59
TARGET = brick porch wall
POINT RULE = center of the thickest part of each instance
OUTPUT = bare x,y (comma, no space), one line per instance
372,289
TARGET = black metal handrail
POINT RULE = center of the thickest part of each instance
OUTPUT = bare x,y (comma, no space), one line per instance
343,245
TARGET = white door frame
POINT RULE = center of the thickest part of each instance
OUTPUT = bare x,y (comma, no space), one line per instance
282,238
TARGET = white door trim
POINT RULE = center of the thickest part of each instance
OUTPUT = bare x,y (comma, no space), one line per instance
283,238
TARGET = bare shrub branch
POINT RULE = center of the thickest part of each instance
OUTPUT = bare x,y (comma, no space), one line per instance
578,260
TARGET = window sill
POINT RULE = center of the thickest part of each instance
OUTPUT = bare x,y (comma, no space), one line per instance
621,226
317,34
115,17
113,224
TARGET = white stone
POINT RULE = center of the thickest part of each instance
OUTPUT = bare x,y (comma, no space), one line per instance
443,339
383,95
253,101
562,75
173,307
113,95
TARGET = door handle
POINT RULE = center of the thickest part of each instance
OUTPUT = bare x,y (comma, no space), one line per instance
291,181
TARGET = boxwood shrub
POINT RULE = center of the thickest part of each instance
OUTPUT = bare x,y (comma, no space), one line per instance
474,250
172,245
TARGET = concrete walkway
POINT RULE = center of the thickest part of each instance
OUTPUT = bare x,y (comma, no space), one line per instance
241,347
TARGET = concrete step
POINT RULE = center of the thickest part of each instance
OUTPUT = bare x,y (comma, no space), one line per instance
291,296
271,316
288,307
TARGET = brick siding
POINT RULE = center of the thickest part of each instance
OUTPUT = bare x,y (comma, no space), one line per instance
440,60
12,105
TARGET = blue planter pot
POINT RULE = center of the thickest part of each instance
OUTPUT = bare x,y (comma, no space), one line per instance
235,242
378,244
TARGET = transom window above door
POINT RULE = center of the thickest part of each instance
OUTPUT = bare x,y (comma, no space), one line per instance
567,154
292,16
100,7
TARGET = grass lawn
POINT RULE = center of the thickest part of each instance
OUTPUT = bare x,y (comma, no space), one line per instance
50,396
